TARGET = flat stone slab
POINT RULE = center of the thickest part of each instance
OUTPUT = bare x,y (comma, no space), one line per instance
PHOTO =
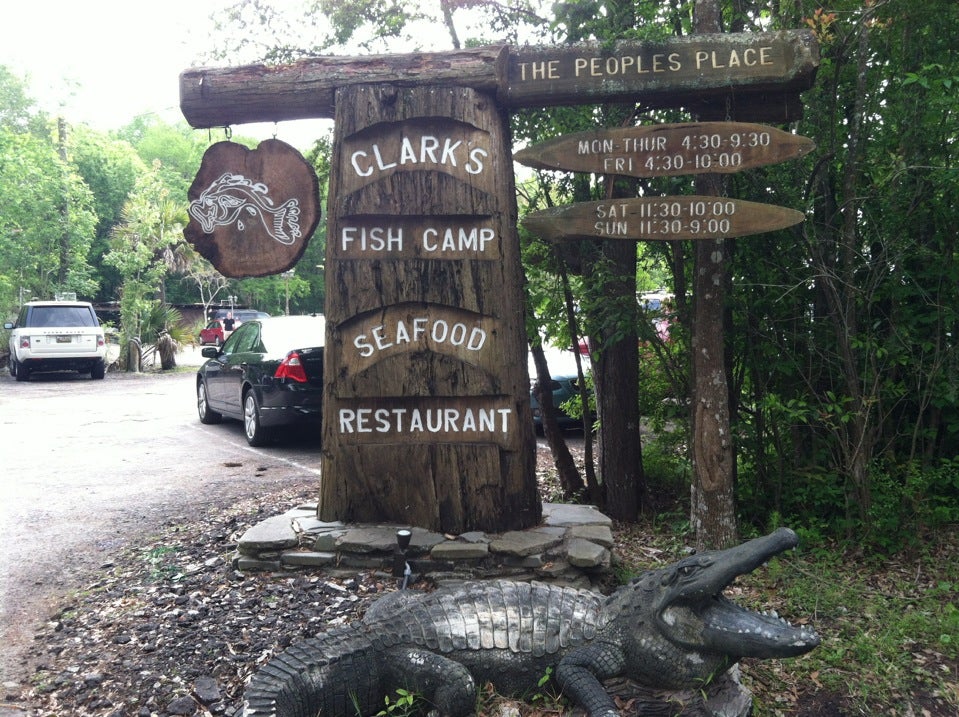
459,551
586,554
274,533
567,515
326,540
308,558
522,544
367,540
599,534
308,523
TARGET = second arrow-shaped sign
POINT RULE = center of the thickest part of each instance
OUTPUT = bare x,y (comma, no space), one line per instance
684,217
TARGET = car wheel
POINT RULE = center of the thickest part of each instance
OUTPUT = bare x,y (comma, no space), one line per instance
99,370
13,367
256,434
207,414
22,372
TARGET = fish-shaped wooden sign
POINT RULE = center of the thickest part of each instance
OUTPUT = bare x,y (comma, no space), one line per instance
252,212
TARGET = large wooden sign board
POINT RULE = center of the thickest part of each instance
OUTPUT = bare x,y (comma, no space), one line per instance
426,408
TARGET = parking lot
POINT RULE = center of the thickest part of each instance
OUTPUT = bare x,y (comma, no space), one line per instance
90,466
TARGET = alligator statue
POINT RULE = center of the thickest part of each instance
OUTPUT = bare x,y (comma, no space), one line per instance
669,628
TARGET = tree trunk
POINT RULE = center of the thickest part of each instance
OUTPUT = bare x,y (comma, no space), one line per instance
426,409
616,378
713,514
569,478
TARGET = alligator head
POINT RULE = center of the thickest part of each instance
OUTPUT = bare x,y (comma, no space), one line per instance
690,630
692,612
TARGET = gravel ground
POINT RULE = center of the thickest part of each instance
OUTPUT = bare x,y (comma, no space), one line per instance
169,628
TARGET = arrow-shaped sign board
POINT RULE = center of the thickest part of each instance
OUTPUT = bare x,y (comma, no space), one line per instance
667,149
684,217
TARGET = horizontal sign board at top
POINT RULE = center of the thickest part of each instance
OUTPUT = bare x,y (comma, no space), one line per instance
626,69
686,217
667,149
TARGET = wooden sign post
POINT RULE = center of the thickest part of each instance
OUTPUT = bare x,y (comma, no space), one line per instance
426,417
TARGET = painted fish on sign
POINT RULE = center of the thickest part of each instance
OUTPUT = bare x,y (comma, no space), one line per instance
686,217
667,149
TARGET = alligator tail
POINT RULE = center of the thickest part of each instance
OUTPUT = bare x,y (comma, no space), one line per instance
328,675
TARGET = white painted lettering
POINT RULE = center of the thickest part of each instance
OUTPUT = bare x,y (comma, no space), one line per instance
407,153
476,157
381,165
362,169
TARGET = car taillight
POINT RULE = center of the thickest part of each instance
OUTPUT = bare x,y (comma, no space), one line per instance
100,341
291,368
24,342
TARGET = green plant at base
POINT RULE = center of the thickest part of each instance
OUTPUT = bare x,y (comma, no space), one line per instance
161,567
403,706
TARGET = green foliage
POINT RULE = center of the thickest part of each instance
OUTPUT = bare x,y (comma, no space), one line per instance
161,562
403,705
46,221
889,626
141,248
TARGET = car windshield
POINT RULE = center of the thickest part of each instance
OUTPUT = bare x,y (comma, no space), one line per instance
57,316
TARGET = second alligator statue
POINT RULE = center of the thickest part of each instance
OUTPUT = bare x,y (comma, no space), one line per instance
670,628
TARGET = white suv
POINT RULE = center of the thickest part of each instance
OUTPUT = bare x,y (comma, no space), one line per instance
56,336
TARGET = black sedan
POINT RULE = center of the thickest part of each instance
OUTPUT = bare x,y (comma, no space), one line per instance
268,373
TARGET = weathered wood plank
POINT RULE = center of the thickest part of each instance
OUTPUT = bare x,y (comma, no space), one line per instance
667,73
695,71
685,217
667,149
222,96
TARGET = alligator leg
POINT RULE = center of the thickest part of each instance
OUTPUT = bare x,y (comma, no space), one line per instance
444,683
579,676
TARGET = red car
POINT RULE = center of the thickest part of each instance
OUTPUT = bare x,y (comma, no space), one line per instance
212,333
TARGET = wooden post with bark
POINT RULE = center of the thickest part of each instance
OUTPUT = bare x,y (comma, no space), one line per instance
426,410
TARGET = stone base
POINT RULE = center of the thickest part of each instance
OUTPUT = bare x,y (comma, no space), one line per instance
571,547
723,697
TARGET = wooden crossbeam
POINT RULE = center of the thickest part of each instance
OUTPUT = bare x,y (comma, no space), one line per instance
761,73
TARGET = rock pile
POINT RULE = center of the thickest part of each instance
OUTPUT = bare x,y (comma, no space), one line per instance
571,547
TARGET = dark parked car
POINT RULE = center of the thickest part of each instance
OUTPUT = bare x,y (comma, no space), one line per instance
268,373
565,385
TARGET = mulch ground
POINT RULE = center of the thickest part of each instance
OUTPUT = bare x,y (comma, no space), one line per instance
169,628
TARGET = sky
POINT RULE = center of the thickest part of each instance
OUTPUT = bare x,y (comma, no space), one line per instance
105,62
